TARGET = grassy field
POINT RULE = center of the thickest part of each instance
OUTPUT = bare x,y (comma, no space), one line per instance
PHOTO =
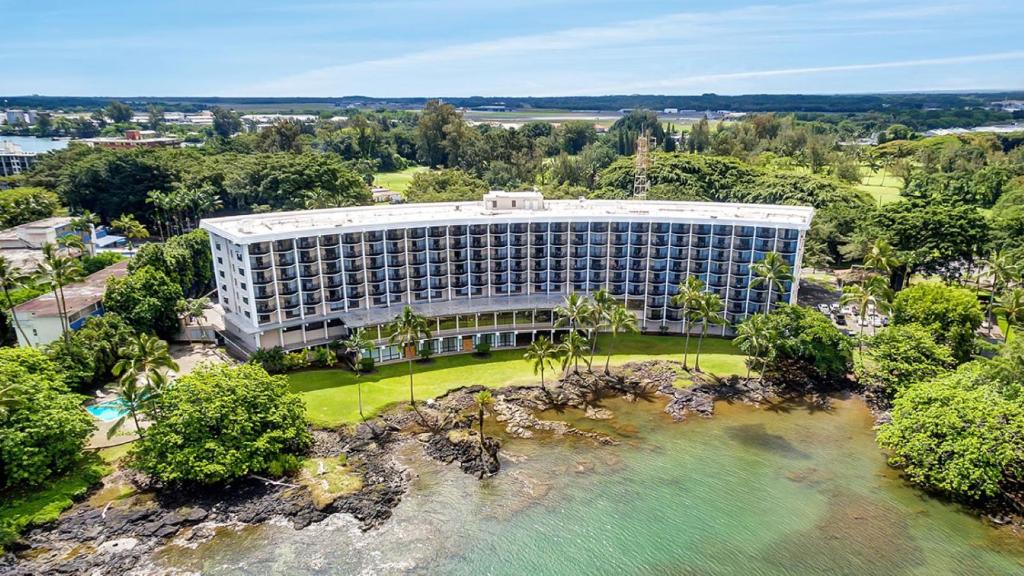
397,181
330,395
882,186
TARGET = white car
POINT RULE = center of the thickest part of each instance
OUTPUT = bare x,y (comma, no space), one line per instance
824,309
876,321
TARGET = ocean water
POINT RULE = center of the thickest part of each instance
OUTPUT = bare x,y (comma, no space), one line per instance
788,490
33,144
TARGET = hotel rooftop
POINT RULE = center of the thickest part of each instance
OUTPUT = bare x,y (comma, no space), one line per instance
498,207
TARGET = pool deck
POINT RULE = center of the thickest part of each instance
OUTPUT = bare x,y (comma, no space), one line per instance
99,437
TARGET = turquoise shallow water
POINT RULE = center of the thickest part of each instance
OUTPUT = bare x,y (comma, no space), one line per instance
787,491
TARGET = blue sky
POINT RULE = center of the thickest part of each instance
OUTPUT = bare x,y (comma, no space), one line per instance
511,47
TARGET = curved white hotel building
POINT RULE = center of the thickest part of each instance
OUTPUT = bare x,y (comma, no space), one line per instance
490,270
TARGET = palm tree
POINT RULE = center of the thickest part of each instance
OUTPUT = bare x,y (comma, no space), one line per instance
1003,270
141,378
873,292
573,347
407,329
600,309
193,310
482,398
11,279
72,242
756,339
620,321
689,294
58,271
881,257
354,346
132,229
1012,305
771,271
574,313
85,223
543,353
709,311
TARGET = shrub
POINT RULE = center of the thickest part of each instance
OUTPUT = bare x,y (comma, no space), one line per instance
222,422
271,359
296,360
367,364
483,347
425,353
91,264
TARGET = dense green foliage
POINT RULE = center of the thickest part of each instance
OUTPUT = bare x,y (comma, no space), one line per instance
957,435
87,357
42,426
808,337
222,422
903,355
950,314
445,186
186,259
146,300
21,205
100,261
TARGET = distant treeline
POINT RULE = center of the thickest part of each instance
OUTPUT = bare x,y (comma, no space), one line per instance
849,103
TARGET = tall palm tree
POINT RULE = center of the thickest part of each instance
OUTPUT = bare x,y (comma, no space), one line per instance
872,292
193,310
482,398
771,271
573,347
11,279
85,223
72,242
161,208
354,346
58,271
620,321
709,311
132,229
407,329
574,313
1012,305
881,257
687,298
756,339
543,353
141,376
1003,270
601,306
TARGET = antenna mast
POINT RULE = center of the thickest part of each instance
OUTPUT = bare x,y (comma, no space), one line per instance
643,161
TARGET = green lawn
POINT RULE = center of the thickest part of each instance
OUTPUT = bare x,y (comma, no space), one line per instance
397,181
882,186
330,395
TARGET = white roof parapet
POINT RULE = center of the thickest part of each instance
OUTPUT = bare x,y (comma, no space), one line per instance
250,228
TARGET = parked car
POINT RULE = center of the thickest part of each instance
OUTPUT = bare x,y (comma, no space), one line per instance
876,321
841,320
824,309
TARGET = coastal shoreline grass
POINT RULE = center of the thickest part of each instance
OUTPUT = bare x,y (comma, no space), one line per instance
331,399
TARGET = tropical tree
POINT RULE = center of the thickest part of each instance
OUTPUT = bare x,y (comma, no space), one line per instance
1012,306
1003,270
574,313
771,271
687,298
11,279
85,223
881,257
58,271
601,306
756,338
543,353
141,378
407,329
354,346
132,229
573,348
193,310
482,398
620,321
872,292
709,311
72,242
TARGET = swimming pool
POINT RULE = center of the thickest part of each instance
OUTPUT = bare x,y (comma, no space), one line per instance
108,411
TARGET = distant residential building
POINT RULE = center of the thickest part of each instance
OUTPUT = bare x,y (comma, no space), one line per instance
40,317
670,111
1009,105
13,160
132,139
17,116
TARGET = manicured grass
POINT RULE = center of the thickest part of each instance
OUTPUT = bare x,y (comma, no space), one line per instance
330,395
22,509
397,181
114,453
882,186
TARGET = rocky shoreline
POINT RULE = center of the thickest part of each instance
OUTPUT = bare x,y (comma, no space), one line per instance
119,536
